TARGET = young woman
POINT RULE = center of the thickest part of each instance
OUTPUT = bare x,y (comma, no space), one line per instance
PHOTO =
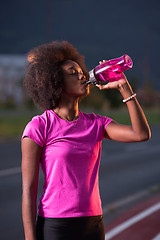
67,144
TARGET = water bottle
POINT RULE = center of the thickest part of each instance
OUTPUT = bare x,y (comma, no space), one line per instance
110,70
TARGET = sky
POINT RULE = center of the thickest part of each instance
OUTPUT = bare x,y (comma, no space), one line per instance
99,29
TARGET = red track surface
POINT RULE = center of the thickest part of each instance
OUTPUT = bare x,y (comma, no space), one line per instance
144,229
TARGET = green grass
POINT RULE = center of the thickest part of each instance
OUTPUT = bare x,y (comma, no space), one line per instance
153,116
12,126
122,116
12,123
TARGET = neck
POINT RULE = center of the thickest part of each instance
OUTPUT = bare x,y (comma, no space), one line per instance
68,109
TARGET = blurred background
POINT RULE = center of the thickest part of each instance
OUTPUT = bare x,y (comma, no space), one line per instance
99,29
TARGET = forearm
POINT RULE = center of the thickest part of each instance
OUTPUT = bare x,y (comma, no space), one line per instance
138,120
31,153
29,210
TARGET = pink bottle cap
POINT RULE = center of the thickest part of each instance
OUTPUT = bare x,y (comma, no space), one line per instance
128,61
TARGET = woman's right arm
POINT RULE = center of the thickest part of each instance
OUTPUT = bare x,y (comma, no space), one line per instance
31,152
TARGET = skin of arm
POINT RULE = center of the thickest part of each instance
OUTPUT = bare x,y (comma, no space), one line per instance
30,172
139,130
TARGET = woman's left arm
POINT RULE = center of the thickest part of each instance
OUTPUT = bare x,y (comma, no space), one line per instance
139,130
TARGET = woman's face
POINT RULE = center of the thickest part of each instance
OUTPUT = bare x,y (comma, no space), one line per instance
74,80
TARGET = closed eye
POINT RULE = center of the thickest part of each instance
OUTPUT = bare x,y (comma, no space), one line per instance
74,72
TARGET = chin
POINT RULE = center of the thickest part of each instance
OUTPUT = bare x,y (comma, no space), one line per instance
85,94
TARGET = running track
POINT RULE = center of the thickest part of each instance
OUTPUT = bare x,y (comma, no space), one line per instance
141,222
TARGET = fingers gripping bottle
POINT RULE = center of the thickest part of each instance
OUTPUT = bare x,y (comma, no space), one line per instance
110,70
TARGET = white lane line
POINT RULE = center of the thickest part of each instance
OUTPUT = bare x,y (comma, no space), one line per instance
10,171
131,221
157,237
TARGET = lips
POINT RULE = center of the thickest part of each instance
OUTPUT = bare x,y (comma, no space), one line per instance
84,82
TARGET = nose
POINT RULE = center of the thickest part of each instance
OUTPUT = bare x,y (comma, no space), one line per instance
81,76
